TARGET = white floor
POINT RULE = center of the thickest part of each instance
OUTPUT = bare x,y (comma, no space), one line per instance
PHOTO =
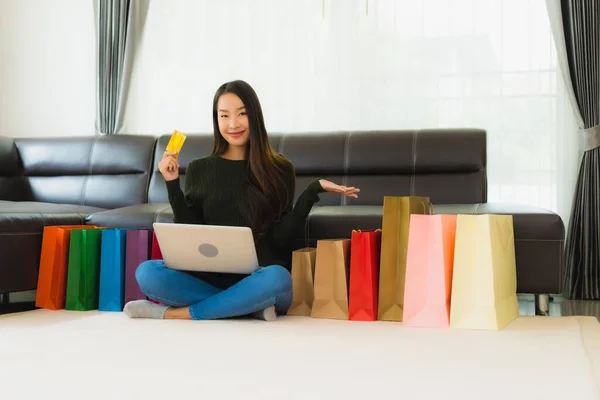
92,355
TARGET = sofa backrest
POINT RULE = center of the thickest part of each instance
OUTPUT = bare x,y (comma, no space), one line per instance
98,171
447,165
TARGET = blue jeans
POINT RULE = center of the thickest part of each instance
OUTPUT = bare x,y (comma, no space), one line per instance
266,287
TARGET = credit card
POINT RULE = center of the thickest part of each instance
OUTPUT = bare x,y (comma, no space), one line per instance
176,142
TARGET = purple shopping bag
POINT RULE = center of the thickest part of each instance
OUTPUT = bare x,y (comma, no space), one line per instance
137,251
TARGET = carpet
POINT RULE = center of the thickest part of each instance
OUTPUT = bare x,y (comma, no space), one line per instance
94,355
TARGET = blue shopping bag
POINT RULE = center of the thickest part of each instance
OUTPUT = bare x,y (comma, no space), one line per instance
112,270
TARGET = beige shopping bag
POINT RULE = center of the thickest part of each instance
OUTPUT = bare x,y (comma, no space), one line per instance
303,273
394,246
331,279
484,283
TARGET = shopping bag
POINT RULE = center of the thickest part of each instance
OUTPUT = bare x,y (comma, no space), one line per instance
84,270
156,254
137,251
364,275
112,270
429,262
394,246
303,273
484,283
331,279
52,276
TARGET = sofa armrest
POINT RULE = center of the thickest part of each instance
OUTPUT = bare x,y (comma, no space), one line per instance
11,171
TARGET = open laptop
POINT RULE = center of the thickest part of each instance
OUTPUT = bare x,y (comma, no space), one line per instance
207,248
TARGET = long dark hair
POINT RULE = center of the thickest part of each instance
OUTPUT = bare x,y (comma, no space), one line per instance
263,200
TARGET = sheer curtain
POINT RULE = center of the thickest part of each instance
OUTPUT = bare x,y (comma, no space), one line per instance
321,65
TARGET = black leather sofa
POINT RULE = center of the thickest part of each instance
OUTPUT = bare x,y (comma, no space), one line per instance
114,181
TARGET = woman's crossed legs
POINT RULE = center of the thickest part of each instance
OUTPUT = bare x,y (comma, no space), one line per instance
186,297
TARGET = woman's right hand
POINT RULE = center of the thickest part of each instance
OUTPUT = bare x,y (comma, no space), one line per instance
168,166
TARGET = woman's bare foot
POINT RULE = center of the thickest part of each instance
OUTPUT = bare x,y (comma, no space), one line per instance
177,313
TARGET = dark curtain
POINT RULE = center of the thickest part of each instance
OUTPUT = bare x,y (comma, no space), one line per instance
576,31
119,25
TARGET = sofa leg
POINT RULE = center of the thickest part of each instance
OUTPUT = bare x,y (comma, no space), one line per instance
542,304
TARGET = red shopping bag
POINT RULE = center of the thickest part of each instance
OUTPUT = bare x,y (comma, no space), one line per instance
155,253
364,275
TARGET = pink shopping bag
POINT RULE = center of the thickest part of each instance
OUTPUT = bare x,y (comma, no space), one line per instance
429,265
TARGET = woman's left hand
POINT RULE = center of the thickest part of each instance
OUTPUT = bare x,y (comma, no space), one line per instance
329,186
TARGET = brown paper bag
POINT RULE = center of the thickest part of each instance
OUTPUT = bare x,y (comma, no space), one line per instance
394,246
303,273
484,285
331,279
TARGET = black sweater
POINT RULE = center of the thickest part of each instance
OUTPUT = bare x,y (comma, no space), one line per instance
213,190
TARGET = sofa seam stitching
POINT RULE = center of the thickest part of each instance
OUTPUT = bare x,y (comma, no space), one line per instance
90,170
151,170
344,199
414,163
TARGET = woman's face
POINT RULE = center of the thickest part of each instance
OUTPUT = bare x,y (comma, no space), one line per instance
233,120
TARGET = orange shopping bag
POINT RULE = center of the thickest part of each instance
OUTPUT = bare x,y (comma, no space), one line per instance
52,276
429,265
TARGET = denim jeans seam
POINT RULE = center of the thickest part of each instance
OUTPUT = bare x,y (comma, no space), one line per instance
271,301
289,293
162,300
191,309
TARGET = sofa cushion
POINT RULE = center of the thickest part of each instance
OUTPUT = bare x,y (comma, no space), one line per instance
339,221
139,216
31,216
539,235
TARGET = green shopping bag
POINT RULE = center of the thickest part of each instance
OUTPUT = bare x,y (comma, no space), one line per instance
83,278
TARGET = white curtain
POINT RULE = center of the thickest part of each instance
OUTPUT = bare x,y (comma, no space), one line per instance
321,65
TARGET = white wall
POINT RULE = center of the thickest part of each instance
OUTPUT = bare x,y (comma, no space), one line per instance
191,47
47,69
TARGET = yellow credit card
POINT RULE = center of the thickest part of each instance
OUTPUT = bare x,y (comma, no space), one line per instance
176,142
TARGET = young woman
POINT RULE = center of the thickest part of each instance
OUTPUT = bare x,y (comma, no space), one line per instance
243,183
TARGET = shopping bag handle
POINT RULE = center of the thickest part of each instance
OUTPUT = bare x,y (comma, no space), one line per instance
425,208
369,230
